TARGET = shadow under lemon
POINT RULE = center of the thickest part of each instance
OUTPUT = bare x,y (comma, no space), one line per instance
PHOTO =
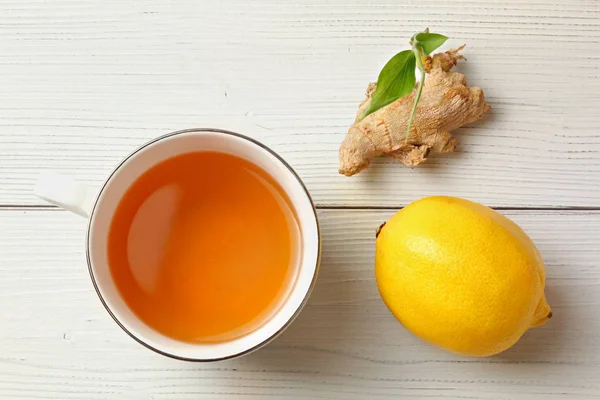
546,343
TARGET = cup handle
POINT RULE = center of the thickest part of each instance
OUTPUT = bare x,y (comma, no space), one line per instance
66,193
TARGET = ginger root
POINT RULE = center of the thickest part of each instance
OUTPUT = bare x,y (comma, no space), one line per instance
446,103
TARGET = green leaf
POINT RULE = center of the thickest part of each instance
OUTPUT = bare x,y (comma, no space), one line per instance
396,80
430,41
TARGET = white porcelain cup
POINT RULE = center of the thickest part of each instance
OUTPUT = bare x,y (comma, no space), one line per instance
99,209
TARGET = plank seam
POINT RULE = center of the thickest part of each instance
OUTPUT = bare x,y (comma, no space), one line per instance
48,207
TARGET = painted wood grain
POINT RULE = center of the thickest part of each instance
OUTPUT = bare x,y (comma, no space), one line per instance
57,342
84,83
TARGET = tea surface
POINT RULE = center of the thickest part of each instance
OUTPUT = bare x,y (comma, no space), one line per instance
204,246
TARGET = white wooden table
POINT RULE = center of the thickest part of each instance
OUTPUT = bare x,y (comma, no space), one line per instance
82,83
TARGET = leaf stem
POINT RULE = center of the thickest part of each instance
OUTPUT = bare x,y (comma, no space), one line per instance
417,51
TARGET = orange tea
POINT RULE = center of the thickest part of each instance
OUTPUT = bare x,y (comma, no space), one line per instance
204,246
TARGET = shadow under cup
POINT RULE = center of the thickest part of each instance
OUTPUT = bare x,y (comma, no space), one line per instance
166,147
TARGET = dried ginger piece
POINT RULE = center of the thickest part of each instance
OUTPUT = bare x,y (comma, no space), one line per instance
446,103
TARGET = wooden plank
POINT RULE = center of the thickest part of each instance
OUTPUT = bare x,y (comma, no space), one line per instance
83,84
57,342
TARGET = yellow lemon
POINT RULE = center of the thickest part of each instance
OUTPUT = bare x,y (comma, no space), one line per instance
460,276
